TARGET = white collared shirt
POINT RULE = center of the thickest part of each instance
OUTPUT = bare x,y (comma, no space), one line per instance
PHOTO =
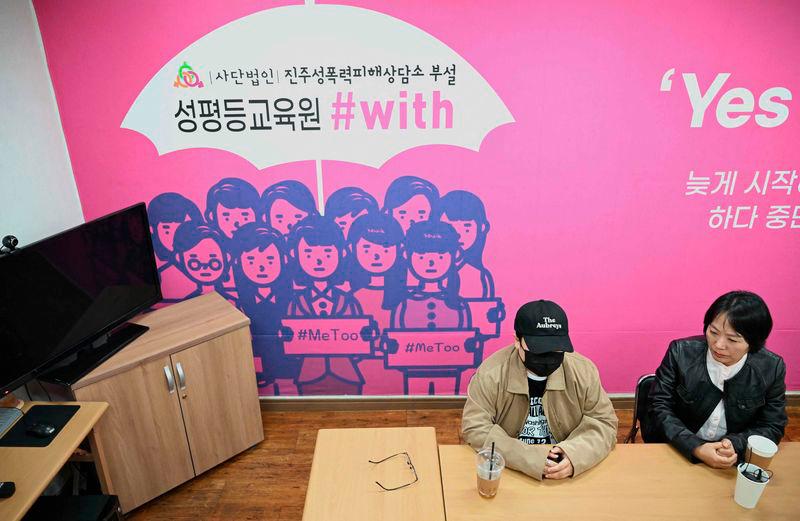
715,426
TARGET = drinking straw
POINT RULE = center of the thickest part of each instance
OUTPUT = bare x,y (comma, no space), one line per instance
491,460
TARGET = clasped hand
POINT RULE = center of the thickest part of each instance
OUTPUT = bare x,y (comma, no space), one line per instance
557,470
716,454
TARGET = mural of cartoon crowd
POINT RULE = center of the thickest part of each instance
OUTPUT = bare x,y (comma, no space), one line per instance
363,300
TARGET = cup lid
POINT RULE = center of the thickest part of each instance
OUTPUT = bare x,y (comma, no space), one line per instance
754,473
762,446
485,453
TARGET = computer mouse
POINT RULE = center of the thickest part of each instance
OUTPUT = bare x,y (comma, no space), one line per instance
40,430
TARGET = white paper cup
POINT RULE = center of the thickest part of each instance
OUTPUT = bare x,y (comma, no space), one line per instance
760,451
748,492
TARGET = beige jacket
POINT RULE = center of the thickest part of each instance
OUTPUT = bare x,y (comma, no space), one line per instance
578,411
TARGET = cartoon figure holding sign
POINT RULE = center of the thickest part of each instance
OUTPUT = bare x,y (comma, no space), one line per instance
259,267
318,249
377,267
465,212
377,276
431,249
432,339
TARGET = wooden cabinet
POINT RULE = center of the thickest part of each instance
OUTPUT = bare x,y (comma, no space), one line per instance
182,398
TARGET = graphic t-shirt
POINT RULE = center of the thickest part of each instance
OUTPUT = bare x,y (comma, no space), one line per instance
536,431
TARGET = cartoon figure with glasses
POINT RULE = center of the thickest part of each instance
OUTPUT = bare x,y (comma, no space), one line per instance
198,251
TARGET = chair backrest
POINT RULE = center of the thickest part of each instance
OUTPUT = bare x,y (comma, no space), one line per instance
640,403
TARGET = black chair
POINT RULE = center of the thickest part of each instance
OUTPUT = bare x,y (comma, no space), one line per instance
640,403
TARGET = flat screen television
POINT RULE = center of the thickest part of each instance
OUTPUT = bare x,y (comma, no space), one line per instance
64,300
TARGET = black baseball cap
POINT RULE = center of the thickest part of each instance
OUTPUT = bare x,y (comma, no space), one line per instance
543,325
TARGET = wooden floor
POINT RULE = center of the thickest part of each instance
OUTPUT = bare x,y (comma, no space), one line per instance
268,482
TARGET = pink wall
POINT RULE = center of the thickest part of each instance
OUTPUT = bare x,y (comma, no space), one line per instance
585,191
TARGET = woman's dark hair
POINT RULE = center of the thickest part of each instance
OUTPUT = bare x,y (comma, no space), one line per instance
293,191
380,229
349,201
437,237
318,231
231,193
404,188
747,313
169,207
460,205
249,237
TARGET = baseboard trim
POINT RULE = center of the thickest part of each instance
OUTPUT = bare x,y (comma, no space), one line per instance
403,403
361,403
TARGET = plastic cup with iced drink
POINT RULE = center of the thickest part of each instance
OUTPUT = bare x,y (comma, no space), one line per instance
489,468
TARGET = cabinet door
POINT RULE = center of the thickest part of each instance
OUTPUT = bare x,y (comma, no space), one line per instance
219,398
141,435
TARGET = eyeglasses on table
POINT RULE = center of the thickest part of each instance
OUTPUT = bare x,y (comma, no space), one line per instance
408,462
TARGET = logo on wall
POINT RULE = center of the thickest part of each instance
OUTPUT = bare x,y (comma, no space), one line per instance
307,82
367,299
187,77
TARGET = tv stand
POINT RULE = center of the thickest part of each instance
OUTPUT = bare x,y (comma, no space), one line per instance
182,399
87,358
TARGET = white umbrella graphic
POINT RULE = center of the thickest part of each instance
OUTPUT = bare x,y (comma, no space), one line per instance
223,90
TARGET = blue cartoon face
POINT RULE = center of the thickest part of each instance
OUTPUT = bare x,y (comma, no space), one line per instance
467,231
346,221
415,210
261,267
166,232
431,266
319,262
283,216
374,258
205,262
231,219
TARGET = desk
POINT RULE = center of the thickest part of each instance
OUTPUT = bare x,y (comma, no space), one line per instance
32,468
636,481
342,482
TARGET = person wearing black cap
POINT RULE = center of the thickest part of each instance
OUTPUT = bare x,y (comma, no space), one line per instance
539,402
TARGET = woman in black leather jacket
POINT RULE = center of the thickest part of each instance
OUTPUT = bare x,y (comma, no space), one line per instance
711,392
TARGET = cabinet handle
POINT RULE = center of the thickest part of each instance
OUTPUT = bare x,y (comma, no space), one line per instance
181,376
170,379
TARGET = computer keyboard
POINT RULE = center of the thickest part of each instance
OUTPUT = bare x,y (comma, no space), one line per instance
8,416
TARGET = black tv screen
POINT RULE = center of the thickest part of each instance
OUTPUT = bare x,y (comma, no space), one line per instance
63,292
